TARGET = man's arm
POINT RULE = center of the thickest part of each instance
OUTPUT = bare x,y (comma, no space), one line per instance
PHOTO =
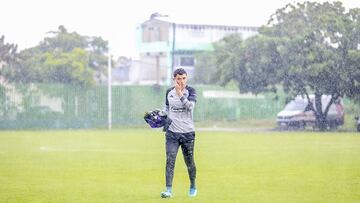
166,107
190,101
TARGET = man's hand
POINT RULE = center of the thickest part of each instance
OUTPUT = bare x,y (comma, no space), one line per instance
179,89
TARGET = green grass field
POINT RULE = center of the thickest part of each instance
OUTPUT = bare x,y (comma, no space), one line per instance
128,166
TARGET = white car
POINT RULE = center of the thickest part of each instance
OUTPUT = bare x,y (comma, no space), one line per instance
298,114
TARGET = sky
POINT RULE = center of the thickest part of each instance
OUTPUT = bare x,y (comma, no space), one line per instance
26,23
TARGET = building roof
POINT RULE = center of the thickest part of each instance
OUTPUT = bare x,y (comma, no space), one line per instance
182,23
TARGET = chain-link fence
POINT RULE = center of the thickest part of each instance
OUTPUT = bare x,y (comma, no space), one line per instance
65,106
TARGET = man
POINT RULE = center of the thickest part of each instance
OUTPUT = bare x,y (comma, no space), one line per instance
179,106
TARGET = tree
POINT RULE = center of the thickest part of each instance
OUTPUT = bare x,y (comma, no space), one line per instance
257,62
62,57
68,68
307,48
225,54
7,51
8,56
64,41
204,68
352,41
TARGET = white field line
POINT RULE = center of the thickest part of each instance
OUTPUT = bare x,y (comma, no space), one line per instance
222,129
69,149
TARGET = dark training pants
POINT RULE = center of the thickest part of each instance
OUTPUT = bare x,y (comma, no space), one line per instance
186,141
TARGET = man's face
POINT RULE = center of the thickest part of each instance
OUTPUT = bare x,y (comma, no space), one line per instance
181,80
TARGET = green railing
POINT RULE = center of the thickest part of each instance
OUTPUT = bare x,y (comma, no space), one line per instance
63,106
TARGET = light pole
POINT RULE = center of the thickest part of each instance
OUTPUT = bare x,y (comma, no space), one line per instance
109,92
173,49
157,69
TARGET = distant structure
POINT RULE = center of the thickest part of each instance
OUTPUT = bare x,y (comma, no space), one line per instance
125,71
166,44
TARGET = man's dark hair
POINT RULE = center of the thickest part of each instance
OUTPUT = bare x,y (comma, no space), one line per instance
179,71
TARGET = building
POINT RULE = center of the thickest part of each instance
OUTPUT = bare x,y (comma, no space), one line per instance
165,44
126,71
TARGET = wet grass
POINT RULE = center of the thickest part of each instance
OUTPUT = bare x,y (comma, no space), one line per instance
128,166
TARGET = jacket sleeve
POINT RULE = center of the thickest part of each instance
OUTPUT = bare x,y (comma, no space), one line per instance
190,101
166,107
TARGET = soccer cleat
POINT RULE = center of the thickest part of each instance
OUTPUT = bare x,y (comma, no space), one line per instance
166,194
192,192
